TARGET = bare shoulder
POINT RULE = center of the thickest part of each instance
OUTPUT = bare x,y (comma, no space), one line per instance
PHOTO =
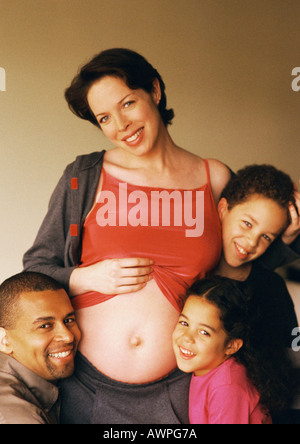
193,166
188,161
219,177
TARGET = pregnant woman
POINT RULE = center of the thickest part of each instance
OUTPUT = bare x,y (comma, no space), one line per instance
128,231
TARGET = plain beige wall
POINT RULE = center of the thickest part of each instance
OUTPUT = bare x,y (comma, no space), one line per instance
226,63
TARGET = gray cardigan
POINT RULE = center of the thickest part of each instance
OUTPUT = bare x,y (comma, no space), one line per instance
57,249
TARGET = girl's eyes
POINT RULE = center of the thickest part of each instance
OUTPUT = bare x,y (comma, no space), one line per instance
185,324
200,332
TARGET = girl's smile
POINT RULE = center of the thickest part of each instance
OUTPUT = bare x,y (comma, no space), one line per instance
186,354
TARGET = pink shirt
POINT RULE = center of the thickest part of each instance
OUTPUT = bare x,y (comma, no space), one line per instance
225,396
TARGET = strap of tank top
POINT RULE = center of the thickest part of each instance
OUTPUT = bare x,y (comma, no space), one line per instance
207,171
209,184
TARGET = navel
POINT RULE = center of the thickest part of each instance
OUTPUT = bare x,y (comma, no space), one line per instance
135,341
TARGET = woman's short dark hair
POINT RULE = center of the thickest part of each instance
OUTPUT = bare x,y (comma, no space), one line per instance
123,63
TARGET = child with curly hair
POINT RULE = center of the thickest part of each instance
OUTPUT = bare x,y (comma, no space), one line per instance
255,209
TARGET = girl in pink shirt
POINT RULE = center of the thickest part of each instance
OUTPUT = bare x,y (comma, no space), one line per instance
235,378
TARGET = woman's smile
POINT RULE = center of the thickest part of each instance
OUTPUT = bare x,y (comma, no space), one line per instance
135,138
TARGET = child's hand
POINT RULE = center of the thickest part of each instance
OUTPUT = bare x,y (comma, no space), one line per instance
293,230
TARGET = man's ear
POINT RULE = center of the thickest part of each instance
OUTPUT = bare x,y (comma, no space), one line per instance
222,208
4,343
233,346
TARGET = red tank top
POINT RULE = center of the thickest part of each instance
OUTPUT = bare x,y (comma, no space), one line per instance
179,229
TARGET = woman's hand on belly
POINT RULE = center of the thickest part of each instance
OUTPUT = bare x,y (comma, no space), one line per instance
112,276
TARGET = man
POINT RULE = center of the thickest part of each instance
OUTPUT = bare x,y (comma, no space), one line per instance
38,342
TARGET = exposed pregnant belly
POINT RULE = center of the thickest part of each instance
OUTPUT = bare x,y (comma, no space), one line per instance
129,337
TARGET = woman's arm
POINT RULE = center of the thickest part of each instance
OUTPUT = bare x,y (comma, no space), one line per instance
47,254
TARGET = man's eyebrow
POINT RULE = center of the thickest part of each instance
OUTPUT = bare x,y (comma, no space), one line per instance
50,318
43,319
